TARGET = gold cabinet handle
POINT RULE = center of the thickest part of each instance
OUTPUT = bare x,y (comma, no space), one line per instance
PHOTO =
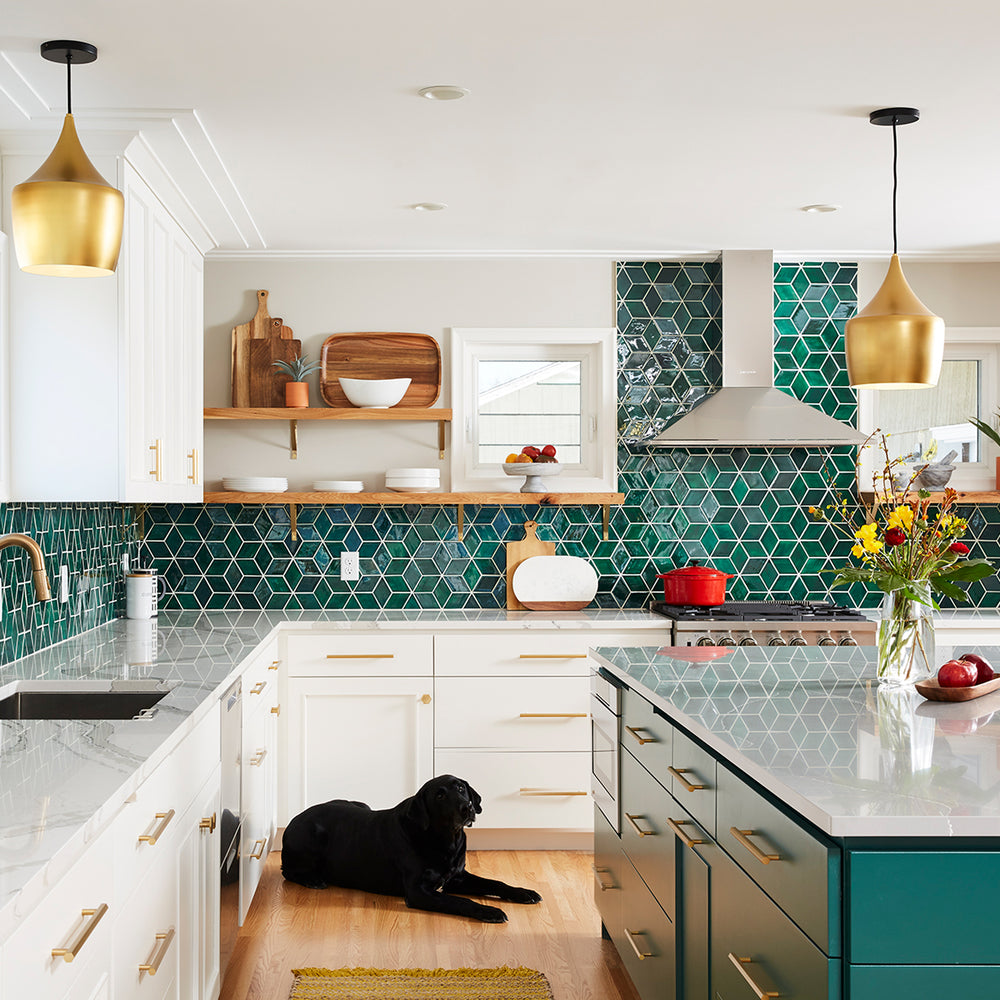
679,772
743,838
258,687
360,656
425,699
541,791
157,955
598,872
258,852
274,665
632,935
193,455
157,471
207,823
554,715
553,656
159,824
759,992
635,826
258,757
91,918
275,710
641,740
676,824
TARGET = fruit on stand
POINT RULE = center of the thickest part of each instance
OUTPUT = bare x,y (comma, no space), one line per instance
957,673
522,458
986,672
512,457
550,450
545,458
529,453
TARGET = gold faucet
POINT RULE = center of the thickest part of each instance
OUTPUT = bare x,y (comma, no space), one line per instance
38,577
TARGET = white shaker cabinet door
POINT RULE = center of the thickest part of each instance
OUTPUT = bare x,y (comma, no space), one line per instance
369,739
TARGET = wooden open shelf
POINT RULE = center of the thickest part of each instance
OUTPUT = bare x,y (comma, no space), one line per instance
965,497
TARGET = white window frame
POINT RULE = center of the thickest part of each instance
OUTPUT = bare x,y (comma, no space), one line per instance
594,348
976,343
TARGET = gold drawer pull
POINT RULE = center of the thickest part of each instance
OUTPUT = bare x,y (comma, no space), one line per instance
632,935
553,656
759,992
151,837
743,837
598,872
258,687
425,699
676,824
158,954
157,471
554,715
540,791
258,757
207,823
258,852
274,665
635,826
679,772
193,455
275,710
641,740
360,656
91,919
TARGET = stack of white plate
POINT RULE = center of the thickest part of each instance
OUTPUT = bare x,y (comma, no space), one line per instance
338,485
412,480
255,484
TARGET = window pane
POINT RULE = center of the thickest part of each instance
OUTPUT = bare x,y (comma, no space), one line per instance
529,402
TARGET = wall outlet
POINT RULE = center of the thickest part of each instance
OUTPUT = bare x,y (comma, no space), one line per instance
64,584
125,563
350,566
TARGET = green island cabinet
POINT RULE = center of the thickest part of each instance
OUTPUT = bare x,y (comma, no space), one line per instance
715,889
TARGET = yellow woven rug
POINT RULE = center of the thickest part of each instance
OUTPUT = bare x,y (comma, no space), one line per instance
419,984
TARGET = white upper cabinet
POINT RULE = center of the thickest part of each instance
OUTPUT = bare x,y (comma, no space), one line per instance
105,374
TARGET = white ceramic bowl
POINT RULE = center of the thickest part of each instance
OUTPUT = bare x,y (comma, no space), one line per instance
374,393
422,473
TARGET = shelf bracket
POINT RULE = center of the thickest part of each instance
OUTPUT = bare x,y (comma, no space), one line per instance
460,521
293,444
441,439
293,520
605,520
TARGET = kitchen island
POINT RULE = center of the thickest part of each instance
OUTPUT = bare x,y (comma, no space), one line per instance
790,828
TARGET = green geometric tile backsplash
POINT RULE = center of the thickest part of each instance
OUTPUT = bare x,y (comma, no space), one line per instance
744,510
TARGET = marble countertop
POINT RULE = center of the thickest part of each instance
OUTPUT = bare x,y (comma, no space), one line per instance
812,725
62,781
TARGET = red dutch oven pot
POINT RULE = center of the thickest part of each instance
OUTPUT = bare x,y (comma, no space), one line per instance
694,584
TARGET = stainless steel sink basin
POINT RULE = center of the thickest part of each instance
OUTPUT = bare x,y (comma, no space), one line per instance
81,699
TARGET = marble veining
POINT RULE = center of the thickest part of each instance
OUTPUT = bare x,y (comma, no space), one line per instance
813,726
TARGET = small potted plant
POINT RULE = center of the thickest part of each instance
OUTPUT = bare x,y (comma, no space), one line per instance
992,433
297,389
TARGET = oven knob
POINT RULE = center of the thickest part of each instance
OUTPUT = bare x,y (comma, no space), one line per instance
798,640
749,640
848,640
726,640
705,640
826,640
776,640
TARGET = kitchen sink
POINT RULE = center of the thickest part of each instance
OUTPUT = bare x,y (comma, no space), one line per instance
114,699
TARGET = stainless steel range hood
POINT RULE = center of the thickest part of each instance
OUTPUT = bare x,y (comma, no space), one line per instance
748,409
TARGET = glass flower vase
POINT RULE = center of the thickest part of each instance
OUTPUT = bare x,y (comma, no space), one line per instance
906,636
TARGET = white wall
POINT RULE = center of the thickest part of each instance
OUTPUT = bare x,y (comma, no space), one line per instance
319,298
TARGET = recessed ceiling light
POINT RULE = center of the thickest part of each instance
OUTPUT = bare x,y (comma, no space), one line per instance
429,206
817,209
444,92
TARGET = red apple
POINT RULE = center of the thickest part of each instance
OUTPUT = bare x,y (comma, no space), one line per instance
957,674
986,672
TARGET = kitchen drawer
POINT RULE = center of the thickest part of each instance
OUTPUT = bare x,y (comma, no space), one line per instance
537,791
882,982
29,968
647,735
647,943
535,713
647,839
776,955
385,654
264,665
797,869
922,908
608,865
693,780
555,652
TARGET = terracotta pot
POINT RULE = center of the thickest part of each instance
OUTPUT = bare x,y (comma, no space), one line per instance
297,394
694,584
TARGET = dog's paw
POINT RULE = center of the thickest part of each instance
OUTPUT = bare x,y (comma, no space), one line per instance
491,915
524,896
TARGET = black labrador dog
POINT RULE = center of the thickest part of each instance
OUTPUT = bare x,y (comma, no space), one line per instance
415,850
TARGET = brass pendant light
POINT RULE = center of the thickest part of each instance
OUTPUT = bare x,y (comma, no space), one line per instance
67,219
895,342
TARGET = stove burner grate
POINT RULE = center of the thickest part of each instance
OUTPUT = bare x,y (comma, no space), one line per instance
794,611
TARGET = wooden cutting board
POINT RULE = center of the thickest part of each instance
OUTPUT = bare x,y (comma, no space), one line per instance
555,583
262,327
267,383
416,356
517,552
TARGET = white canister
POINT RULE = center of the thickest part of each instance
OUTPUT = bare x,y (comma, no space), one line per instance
142,589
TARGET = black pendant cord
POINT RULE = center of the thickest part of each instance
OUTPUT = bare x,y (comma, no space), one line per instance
69,85
895,183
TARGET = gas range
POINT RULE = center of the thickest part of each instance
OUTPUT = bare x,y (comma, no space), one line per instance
767,623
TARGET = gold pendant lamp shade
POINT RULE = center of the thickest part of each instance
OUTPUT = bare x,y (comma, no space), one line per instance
895,342
67,219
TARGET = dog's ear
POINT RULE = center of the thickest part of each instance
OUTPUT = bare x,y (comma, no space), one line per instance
476,798
416,810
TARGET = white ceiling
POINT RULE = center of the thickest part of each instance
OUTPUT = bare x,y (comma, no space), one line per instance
637,128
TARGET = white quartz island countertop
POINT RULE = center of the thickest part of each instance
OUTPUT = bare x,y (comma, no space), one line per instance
62,781
813,726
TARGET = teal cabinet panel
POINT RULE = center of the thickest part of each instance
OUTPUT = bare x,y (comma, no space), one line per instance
648,950
922,907
796,868
693,908
647,735
886,982
608,864
693,780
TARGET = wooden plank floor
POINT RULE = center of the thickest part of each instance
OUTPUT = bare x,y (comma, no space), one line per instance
290,927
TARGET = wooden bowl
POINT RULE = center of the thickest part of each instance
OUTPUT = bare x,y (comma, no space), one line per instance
933,691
